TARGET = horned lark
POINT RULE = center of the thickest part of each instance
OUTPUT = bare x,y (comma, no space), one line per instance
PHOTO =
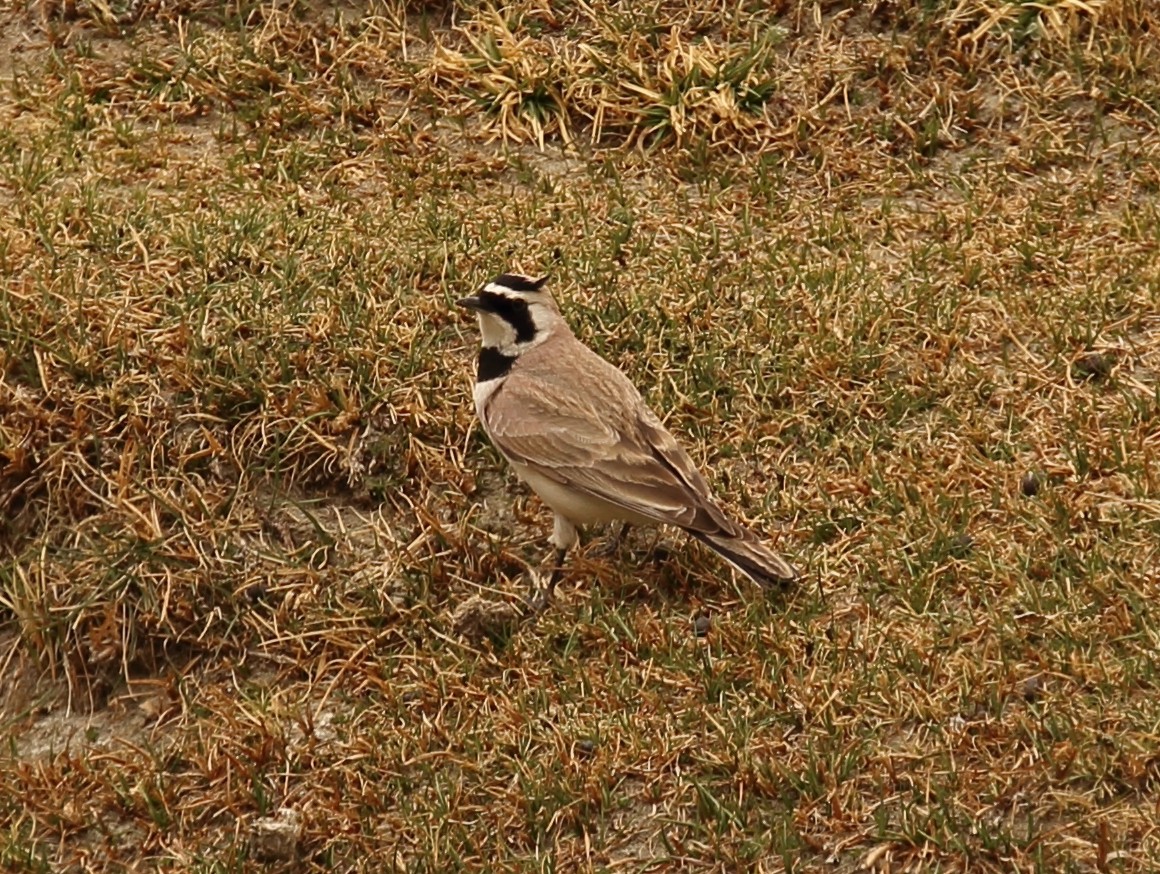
578,432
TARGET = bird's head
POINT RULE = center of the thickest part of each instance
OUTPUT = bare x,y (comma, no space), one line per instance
515,312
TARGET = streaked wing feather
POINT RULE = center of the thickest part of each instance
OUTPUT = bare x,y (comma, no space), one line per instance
623,456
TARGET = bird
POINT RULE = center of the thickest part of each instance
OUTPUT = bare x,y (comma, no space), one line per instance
576,430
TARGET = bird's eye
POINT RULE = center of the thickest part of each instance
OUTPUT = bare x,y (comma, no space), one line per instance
521,304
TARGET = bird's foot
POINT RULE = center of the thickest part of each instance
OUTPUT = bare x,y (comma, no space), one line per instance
610,545
605,548
537,602
541,595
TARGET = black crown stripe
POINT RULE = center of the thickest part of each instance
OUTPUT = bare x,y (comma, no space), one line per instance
516,282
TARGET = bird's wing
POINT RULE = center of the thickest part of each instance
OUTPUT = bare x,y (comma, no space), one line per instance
587,428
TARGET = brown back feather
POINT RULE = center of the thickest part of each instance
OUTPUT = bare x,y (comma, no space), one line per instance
580,421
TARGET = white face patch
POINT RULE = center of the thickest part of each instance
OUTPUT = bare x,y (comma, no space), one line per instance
514,332
496,332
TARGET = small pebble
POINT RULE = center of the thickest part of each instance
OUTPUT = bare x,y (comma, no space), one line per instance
275,838
478,619
1092,365
701,625
1032,687
961,545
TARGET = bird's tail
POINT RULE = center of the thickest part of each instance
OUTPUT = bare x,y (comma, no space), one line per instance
745,551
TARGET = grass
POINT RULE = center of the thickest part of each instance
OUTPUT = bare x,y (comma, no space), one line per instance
880,268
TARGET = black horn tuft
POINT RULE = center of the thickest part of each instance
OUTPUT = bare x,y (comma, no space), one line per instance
519,282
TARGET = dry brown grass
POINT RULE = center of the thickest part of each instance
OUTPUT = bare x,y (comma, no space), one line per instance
891,271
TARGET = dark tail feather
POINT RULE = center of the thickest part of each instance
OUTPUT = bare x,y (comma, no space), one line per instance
750,556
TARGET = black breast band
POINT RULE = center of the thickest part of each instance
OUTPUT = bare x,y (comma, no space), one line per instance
493,364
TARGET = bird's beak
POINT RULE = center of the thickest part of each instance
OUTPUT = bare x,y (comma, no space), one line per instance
470,303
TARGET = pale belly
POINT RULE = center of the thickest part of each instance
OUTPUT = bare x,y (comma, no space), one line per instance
577,507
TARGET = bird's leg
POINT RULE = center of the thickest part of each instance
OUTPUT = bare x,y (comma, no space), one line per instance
564,535
613,542
657,552
540,598
557,571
